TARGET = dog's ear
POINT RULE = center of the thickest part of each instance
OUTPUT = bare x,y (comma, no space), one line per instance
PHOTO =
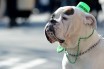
90,20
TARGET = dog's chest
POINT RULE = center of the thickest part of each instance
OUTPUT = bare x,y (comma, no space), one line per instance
81,63
95,63
91,60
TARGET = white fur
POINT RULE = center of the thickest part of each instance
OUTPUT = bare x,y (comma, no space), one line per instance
94,59
80,24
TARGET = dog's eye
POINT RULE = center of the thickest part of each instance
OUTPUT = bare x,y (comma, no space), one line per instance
64,18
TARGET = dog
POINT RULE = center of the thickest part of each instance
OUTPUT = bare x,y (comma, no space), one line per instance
66,25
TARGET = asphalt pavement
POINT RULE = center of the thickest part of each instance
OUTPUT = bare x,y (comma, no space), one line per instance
27,48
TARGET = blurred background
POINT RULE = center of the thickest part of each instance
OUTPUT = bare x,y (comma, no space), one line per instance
22,41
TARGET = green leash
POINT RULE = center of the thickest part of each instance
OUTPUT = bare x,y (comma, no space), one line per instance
84,7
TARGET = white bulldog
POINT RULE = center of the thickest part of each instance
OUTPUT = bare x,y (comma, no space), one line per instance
66,26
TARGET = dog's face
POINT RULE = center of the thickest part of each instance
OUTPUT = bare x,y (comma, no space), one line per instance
67,22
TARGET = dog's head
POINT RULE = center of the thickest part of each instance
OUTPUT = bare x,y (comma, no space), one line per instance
67,22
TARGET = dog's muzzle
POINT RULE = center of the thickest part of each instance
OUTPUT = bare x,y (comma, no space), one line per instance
50,32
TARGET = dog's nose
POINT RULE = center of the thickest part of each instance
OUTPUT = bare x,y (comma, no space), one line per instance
53,21
50,28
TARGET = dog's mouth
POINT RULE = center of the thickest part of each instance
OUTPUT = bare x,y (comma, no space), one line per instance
52,38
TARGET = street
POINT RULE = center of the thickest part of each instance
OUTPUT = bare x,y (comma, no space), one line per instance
27,48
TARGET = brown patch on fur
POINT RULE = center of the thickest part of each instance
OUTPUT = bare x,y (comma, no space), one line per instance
69,11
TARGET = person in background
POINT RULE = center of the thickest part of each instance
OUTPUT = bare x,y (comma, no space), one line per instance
102,4
18,8
2,8
11,11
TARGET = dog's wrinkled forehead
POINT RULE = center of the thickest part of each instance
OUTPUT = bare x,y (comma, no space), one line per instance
67,10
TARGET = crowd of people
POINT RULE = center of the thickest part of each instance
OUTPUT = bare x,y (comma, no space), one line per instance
46,6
